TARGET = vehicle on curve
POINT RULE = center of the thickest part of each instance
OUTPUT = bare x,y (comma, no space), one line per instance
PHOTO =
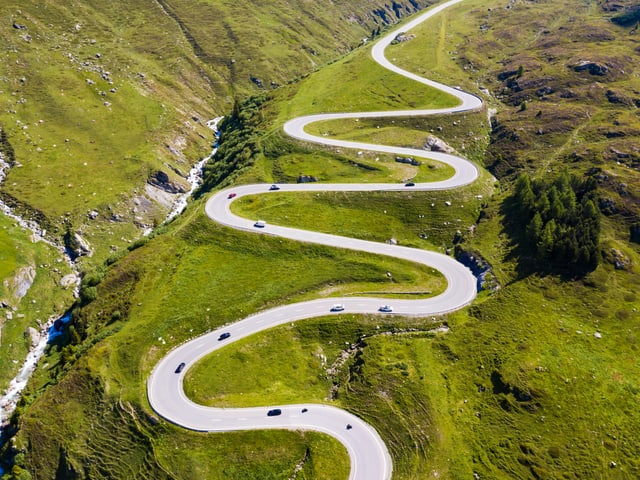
338,307
231,195
260,224
349,427
180,367
224,336
274,412
386,309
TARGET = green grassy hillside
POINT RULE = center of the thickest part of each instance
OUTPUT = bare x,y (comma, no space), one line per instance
97,98
537,379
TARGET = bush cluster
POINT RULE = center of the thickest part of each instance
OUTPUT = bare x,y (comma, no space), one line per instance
559,220
239,142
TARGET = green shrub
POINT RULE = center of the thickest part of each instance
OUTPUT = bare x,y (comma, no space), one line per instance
88,295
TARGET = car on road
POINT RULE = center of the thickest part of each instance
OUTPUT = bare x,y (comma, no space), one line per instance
274,187
305,410
231,195
338,307
409,184
260,224
224,336
180,367
386,309
349,427
274,412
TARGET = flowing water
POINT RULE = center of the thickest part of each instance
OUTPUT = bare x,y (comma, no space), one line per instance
53,327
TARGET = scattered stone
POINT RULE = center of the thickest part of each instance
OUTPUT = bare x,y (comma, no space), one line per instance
93,214
597,335
257,81
619,260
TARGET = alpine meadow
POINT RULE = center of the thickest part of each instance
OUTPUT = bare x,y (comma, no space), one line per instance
106,108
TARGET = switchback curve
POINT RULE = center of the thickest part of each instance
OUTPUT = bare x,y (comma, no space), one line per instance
370,459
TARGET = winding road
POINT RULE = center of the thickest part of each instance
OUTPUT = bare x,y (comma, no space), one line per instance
370,459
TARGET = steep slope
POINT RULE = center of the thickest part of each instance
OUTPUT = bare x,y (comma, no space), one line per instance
105,102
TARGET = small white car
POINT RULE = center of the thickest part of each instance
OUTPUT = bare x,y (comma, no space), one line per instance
338,307
386,309
260,224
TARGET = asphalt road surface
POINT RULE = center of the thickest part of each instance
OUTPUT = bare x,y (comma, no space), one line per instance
370,459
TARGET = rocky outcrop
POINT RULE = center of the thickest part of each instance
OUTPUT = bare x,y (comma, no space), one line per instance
307,179
77,246
33,335
69,280
436,144
619,260
161,180
402,37
592,68
21,282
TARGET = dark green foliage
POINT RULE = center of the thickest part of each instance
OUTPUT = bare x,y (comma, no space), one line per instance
88,295
558,221
92,279
628,17
239,142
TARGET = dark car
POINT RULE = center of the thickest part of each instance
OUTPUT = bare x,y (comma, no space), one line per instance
274,413
231,195
349,427
305,410
274,187
180,367
224,336
409,184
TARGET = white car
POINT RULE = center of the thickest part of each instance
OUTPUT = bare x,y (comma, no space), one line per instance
260,224
385,309
338,307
